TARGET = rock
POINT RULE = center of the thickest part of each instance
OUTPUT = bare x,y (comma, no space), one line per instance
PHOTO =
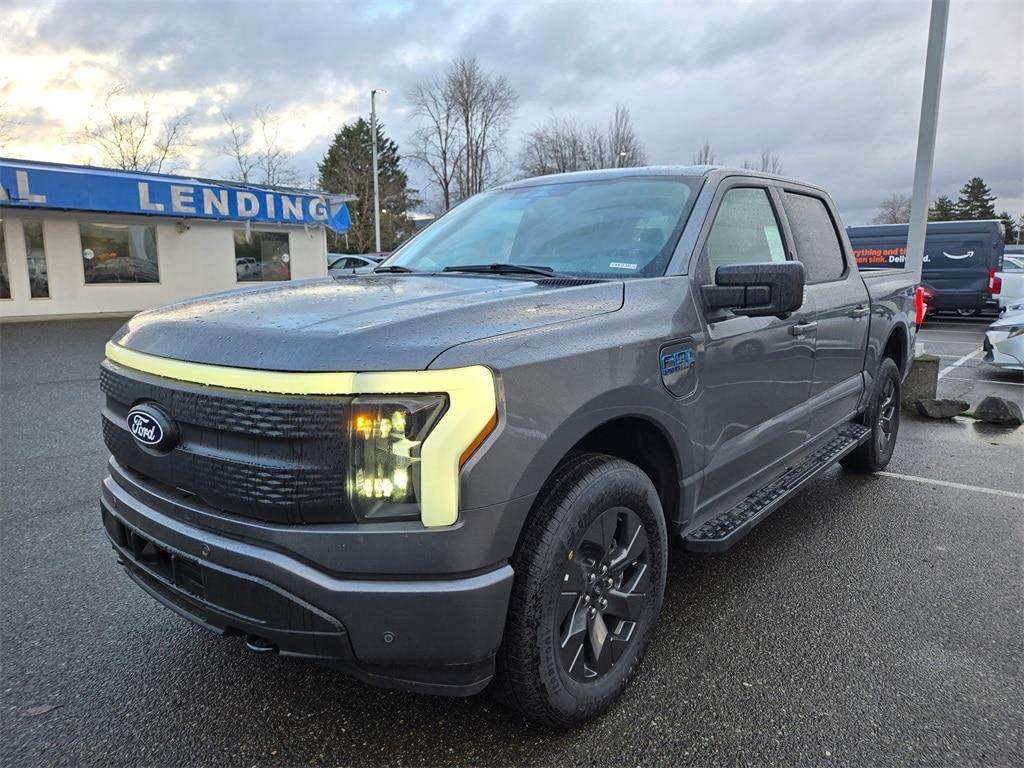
941,409
996,410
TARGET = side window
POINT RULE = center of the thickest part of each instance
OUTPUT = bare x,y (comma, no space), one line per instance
745,231
814,236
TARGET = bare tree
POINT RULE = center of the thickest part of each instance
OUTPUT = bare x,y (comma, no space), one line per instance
437,144
484,106
135,140
465,116
256,151
563,144
236,146
895,209
560,145
770,163
8,126
274,163
704,155
624,145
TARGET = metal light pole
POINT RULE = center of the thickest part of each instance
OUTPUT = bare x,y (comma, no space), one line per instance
926,136
376,186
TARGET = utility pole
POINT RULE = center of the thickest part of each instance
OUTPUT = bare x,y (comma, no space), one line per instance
376,186
926,136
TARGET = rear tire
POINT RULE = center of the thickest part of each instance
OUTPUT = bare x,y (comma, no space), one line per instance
590,578
883,418
968,312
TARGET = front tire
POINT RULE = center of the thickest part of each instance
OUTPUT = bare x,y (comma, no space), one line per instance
590,578
883,418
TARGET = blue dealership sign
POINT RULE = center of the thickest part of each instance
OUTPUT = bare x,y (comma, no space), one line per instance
28,184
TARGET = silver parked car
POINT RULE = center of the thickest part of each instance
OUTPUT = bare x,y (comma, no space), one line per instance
1004,340
348,264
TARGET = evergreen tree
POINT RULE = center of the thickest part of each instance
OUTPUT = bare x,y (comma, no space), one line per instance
943,209
1010,225
347,168
976,201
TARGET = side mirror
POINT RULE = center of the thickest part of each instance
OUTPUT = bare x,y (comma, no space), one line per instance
757,290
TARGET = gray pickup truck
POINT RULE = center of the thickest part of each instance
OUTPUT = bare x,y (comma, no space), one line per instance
464,468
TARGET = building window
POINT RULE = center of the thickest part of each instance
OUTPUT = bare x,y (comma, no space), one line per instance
5,283
35,255
119,253
261,256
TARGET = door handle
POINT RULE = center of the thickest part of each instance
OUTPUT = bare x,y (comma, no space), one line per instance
801,328
861,310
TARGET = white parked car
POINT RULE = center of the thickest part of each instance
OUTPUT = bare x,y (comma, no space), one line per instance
1004,339
347,263
1008,282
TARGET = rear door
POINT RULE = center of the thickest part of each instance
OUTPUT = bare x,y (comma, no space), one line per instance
957,266
756,371
837,298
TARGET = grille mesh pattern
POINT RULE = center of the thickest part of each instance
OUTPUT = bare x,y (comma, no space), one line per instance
276,458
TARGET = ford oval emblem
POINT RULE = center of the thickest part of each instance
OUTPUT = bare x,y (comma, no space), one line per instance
151,426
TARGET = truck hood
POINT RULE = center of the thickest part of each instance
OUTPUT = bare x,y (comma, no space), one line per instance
375,322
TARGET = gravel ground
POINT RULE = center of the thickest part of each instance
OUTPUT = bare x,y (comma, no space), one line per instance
870,621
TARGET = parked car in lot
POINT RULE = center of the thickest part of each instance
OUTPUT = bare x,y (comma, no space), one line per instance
463,468
1004,340
1008,282
347,264
960,261
246,268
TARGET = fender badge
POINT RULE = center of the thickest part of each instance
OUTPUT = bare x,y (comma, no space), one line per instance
676,361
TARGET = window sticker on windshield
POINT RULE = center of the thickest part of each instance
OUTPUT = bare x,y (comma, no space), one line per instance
621,265
771,234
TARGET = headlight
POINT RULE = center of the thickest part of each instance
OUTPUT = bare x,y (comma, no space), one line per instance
385,437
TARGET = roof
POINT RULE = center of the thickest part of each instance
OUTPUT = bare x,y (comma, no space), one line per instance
688,171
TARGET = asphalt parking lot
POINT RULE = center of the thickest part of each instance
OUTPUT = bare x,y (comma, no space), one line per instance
873,620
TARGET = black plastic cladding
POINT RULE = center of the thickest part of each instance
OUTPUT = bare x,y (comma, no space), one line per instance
275,458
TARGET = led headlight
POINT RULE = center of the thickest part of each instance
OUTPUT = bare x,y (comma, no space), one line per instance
386,434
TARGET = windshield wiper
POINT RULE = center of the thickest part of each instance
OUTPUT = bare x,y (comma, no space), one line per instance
504,269
394,268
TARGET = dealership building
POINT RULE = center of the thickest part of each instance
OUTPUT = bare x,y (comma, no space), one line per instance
83,241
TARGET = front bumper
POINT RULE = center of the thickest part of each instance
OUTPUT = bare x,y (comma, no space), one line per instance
426,632
1003,351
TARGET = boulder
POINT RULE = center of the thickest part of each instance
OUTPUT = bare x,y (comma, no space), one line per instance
997,410
941,409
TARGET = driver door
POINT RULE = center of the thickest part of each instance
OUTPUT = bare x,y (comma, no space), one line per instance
756,371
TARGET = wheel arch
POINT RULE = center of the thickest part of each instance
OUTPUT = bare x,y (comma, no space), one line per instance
642,442
896,346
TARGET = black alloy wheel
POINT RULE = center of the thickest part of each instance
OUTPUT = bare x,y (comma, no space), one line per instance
603,593
590,568
888,416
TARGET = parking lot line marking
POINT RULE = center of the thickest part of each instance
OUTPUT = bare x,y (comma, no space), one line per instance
988,381
948,484
959,362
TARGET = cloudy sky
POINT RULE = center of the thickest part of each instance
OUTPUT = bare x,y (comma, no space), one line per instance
833,87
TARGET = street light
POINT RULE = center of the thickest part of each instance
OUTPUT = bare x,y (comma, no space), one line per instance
622,159
376,188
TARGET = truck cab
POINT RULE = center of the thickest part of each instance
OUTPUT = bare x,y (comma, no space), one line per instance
462,470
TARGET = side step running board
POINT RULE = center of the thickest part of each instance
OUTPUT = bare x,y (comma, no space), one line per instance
721,532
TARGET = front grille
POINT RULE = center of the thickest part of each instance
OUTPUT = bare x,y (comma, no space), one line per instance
277,458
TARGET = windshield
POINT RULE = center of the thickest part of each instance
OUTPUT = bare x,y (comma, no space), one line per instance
623,227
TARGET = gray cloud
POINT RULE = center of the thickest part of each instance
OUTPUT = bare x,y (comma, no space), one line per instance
834,88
